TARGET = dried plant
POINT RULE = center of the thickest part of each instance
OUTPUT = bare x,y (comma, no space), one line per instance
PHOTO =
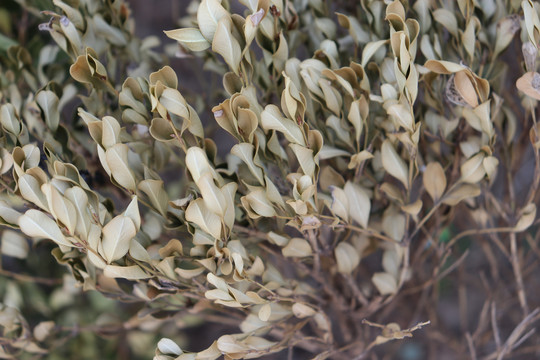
384,153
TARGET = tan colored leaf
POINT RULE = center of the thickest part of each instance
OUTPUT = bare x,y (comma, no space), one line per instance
10,121
174,102
111,132
126,272
413,208
199,214
302,311
264,312
229,191
61,208
31,191
340,203
132,212
359,203
117,160
190,38
370,49
259,203
212,195
385,283
48,102
347,258
117,235
394,164
465,88
472,171
208,15
402,116
305,159
447,19
8,214
394,223
245,152
6,161
227,344
43,330
271,119
434,180
36,224
14,244
197,163
79,199
529,83
527,218
297,247
464,191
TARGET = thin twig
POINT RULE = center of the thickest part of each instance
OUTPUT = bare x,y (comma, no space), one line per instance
517,274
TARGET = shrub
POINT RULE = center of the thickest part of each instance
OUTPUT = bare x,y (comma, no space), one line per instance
383,157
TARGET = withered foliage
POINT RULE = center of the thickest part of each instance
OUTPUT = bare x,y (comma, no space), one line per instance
382,181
